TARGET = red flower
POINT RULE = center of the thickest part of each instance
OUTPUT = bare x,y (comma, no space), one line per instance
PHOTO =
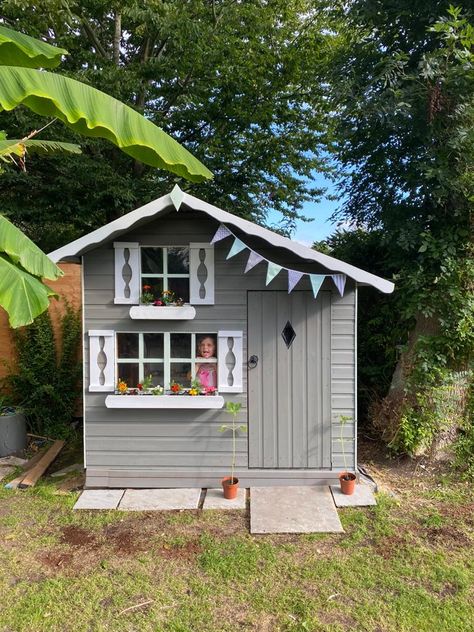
175,388
146,288
157,303
210,390
140,387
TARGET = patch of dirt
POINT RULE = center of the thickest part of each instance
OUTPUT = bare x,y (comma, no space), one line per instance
449,537
389,546
188,551
76,536
55,560
125,540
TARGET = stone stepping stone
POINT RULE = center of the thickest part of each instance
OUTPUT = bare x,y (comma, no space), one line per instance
305,509
99,499
6,470
362,497
215,500
159,499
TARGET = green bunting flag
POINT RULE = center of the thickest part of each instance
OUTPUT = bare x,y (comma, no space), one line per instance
316,281
237,247
272,271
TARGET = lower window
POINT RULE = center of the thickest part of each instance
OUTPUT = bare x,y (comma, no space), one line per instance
167,359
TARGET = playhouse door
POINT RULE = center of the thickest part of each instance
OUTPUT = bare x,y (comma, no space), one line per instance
289,380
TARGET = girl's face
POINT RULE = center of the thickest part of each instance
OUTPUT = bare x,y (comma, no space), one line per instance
207,348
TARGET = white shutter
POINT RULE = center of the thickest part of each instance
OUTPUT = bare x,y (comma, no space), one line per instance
201,274
127,273
229,358
101,360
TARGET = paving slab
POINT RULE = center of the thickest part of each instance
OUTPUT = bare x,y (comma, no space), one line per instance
12,460
99,499
215,500
362,496
6,470
305,509
159,499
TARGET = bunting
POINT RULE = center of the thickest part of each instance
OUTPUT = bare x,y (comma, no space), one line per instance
272,270
222,233
316,281
339,282
254,258
237,247
293,277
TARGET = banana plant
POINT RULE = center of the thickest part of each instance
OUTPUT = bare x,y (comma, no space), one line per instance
87,111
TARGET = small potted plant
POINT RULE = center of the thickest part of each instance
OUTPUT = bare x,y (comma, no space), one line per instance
347,480
230,484
175,388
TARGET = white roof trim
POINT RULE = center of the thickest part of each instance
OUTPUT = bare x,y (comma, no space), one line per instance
119,226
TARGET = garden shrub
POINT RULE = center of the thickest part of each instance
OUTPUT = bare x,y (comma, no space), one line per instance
46,383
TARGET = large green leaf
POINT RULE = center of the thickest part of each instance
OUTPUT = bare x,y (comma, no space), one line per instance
22,296
17,49
93,113
20,147
21,250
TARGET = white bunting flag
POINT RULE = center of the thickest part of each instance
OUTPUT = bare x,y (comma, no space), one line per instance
316,281
237,247
254,258
222,233
293,277
339,282
272,271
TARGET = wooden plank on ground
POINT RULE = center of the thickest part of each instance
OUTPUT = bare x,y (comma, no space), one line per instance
28,466
37,470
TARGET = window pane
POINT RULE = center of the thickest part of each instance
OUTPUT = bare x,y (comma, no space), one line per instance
152,260
178,260
180,287
152,286
153,345
181,373
127,345
128,373
206,346
180,345
155,369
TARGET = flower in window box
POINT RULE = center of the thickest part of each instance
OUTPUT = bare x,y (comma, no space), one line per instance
147,296
157,390
210,390
122,387
175,388
158,303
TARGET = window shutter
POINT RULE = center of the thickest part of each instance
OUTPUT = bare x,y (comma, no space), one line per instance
230,357
127,273
201,274
101,360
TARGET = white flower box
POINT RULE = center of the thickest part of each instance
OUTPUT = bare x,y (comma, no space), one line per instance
169,312
164,401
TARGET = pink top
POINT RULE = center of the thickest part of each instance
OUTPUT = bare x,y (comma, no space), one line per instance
207,375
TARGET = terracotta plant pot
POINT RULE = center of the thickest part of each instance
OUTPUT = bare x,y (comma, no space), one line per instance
230,487
347,481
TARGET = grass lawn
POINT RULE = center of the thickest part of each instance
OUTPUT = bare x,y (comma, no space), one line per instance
406,564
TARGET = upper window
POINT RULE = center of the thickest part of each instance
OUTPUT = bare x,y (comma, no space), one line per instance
165,269
167,358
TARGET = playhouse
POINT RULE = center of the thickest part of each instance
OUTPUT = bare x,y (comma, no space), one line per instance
185,307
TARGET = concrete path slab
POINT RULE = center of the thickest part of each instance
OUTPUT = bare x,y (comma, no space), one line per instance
302,509
6,470
99,499
215,500
159,499
362,496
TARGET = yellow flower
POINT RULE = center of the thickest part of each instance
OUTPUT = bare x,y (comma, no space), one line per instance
122,386
193,391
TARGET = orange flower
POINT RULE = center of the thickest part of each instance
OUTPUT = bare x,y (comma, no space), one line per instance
122,386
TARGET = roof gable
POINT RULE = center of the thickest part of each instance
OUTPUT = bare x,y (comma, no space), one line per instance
176,198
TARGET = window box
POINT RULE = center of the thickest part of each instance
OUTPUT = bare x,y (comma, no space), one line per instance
164,401
169,312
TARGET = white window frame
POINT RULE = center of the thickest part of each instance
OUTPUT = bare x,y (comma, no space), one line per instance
167,360
165,275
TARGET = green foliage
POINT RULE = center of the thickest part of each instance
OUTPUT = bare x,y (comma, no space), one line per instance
464,446
46,383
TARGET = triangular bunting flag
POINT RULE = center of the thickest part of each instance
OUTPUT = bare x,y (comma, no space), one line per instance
293,277
316,282
254,258
339,282
222,233
272,271
237,247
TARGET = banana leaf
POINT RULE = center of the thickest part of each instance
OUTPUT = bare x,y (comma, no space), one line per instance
93,113
23,252
17,49
22,296
21,147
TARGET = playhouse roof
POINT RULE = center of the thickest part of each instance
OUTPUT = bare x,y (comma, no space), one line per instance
176,198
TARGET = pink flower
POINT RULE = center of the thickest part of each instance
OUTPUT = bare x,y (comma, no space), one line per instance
158,303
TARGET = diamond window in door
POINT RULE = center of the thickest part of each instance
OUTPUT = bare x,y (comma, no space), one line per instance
288,334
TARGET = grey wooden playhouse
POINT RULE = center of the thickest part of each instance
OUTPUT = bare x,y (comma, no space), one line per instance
280,320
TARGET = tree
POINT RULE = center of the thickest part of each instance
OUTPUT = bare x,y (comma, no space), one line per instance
237,82
22,264
402,93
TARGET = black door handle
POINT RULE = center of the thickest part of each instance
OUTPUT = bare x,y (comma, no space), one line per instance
252,361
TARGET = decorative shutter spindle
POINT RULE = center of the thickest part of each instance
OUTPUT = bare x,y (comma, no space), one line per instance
101,360
127,273
230,357
201,274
